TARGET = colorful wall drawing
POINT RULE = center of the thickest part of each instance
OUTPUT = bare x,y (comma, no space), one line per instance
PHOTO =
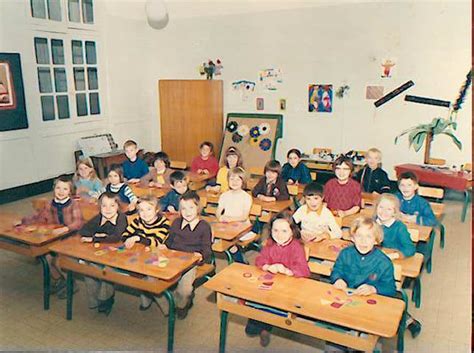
320,98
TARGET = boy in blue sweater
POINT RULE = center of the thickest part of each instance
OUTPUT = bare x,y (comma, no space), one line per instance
179,185
134,167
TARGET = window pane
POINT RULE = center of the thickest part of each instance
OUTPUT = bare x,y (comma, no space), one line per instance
73,11
60,81
41,50
92,78
63,107
38,8
91,57
77,56
94,103
54,10
44,79
81,104
47,106
79,79
87,11
58,51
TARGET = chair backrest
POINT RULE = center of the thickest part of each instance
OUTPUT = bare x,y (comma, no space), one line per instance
436,161
314,176
317,150
256,210
414,235
256,171
338,220
306,252
427,191
203,202
293,190
467,167
361,153
178,165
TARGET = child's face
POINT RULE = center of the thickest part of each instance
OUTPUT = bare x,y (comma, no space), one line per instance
84,171
108,207
271,176
408,188
314,202
205,151
364,240
159,165
385,210
293,159
235,182
147,211
343,172
232,160
113,177
62,190
189,210
131,152
281,232
181,186
373,160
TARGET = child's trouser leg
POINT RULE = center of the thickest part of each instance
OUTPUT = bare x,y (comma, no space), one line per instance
55,271
145,300
185,288
106,290
254,327
92,286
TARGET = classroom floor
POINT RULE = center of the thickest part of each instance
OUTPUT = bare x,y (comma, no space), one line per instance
445,311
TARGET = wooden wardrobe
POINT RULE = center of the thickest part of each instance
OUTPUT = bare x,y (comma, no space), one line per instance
191,111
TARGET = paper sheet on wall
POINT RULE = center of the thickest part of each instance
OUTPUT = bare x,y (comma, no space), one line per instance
94,145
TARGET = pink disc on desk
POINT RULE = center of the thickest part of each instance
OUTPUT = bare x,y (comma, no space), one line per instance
336,305
371,301
268,276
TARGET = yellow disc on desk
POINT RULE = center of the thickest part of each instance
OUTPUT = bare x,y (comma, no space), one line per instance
96,245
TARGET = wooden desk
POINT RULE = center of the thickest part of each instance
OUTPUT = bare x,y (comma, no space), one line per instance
252,182
138,271
274,206
211,197
33,241
104,161
141,191
296,298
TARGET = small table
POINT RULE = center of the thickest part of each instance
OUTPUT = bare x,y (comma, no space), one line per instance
138,271
104,161
141,191
305,306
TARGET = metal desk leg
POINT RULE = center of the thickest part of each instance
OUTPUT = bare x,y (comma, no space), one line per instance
171,319
223,333
230,259
69,292
465,205
46,282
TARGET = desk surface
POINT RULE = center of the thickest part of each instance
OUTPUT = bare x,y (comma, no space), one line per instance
274,206
134,260
310,298
141,191
228,231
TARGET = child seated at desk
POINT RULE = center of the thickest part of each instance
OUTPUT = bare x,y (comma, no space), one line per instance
159,175
134,167
87,184
295,171
118,187
106,227
343,194
64,211
271,187
150,228
233,159
179,185
190,234
315,219
283,253
372,177
205,163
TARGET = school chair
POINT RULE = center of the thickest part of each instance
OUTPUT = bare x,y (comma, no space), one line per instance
293,191
256,171
467,193
361,153
438,208
178,165
314,176
318,150
258,219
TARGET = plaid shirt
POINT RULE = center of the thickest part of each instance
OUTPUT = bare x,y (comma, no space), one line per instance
49,215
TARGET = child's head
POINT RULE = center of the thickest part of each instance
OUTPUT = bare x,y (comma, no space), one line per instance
148,208
374,158
313,196
294,157
387,207
85,169
109,204
178,182
408,184
115,175
189,206
343,168
237,178
365,234
272,171
283,228
161,161
131,149
63,187
233,157
206,149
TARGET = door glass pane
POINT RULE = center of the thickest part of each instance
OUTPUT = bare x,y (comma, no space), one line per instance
81,104
92,78
79,79
38,8
63,107
91,57
87,11
54,10
77,56
60,81
47,107
44,79
41,51
94,103
74,12
58,51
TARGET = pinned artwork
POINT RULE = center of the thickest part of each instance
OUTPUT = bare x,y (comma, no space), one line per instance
320,98
271,78
244,87
429,101
387,66
282,104
373,92
260,103
210,69
394,93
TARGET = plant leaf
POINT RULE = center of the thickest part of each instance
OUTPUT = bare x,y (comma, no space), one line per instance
418,140
439,125
456,141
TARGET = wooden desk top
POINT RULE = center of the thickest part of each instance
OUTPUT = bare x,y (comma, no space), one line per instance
212,197
310,298
141,191
133,260
228,231
274,206
195,177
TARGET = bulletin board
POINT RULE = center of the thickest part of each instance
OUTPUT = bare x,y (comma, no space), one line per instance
254,135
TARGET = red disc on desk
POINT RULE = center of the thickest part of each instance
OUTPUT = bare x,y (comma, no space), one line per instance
371,301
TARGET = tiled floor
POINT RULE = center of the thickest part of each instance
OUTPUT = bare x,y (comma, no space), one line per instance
445,311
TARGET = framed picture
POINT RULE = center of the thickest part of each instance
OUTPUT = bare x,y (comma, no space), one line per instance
320,98
12,95
282,104
260,104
